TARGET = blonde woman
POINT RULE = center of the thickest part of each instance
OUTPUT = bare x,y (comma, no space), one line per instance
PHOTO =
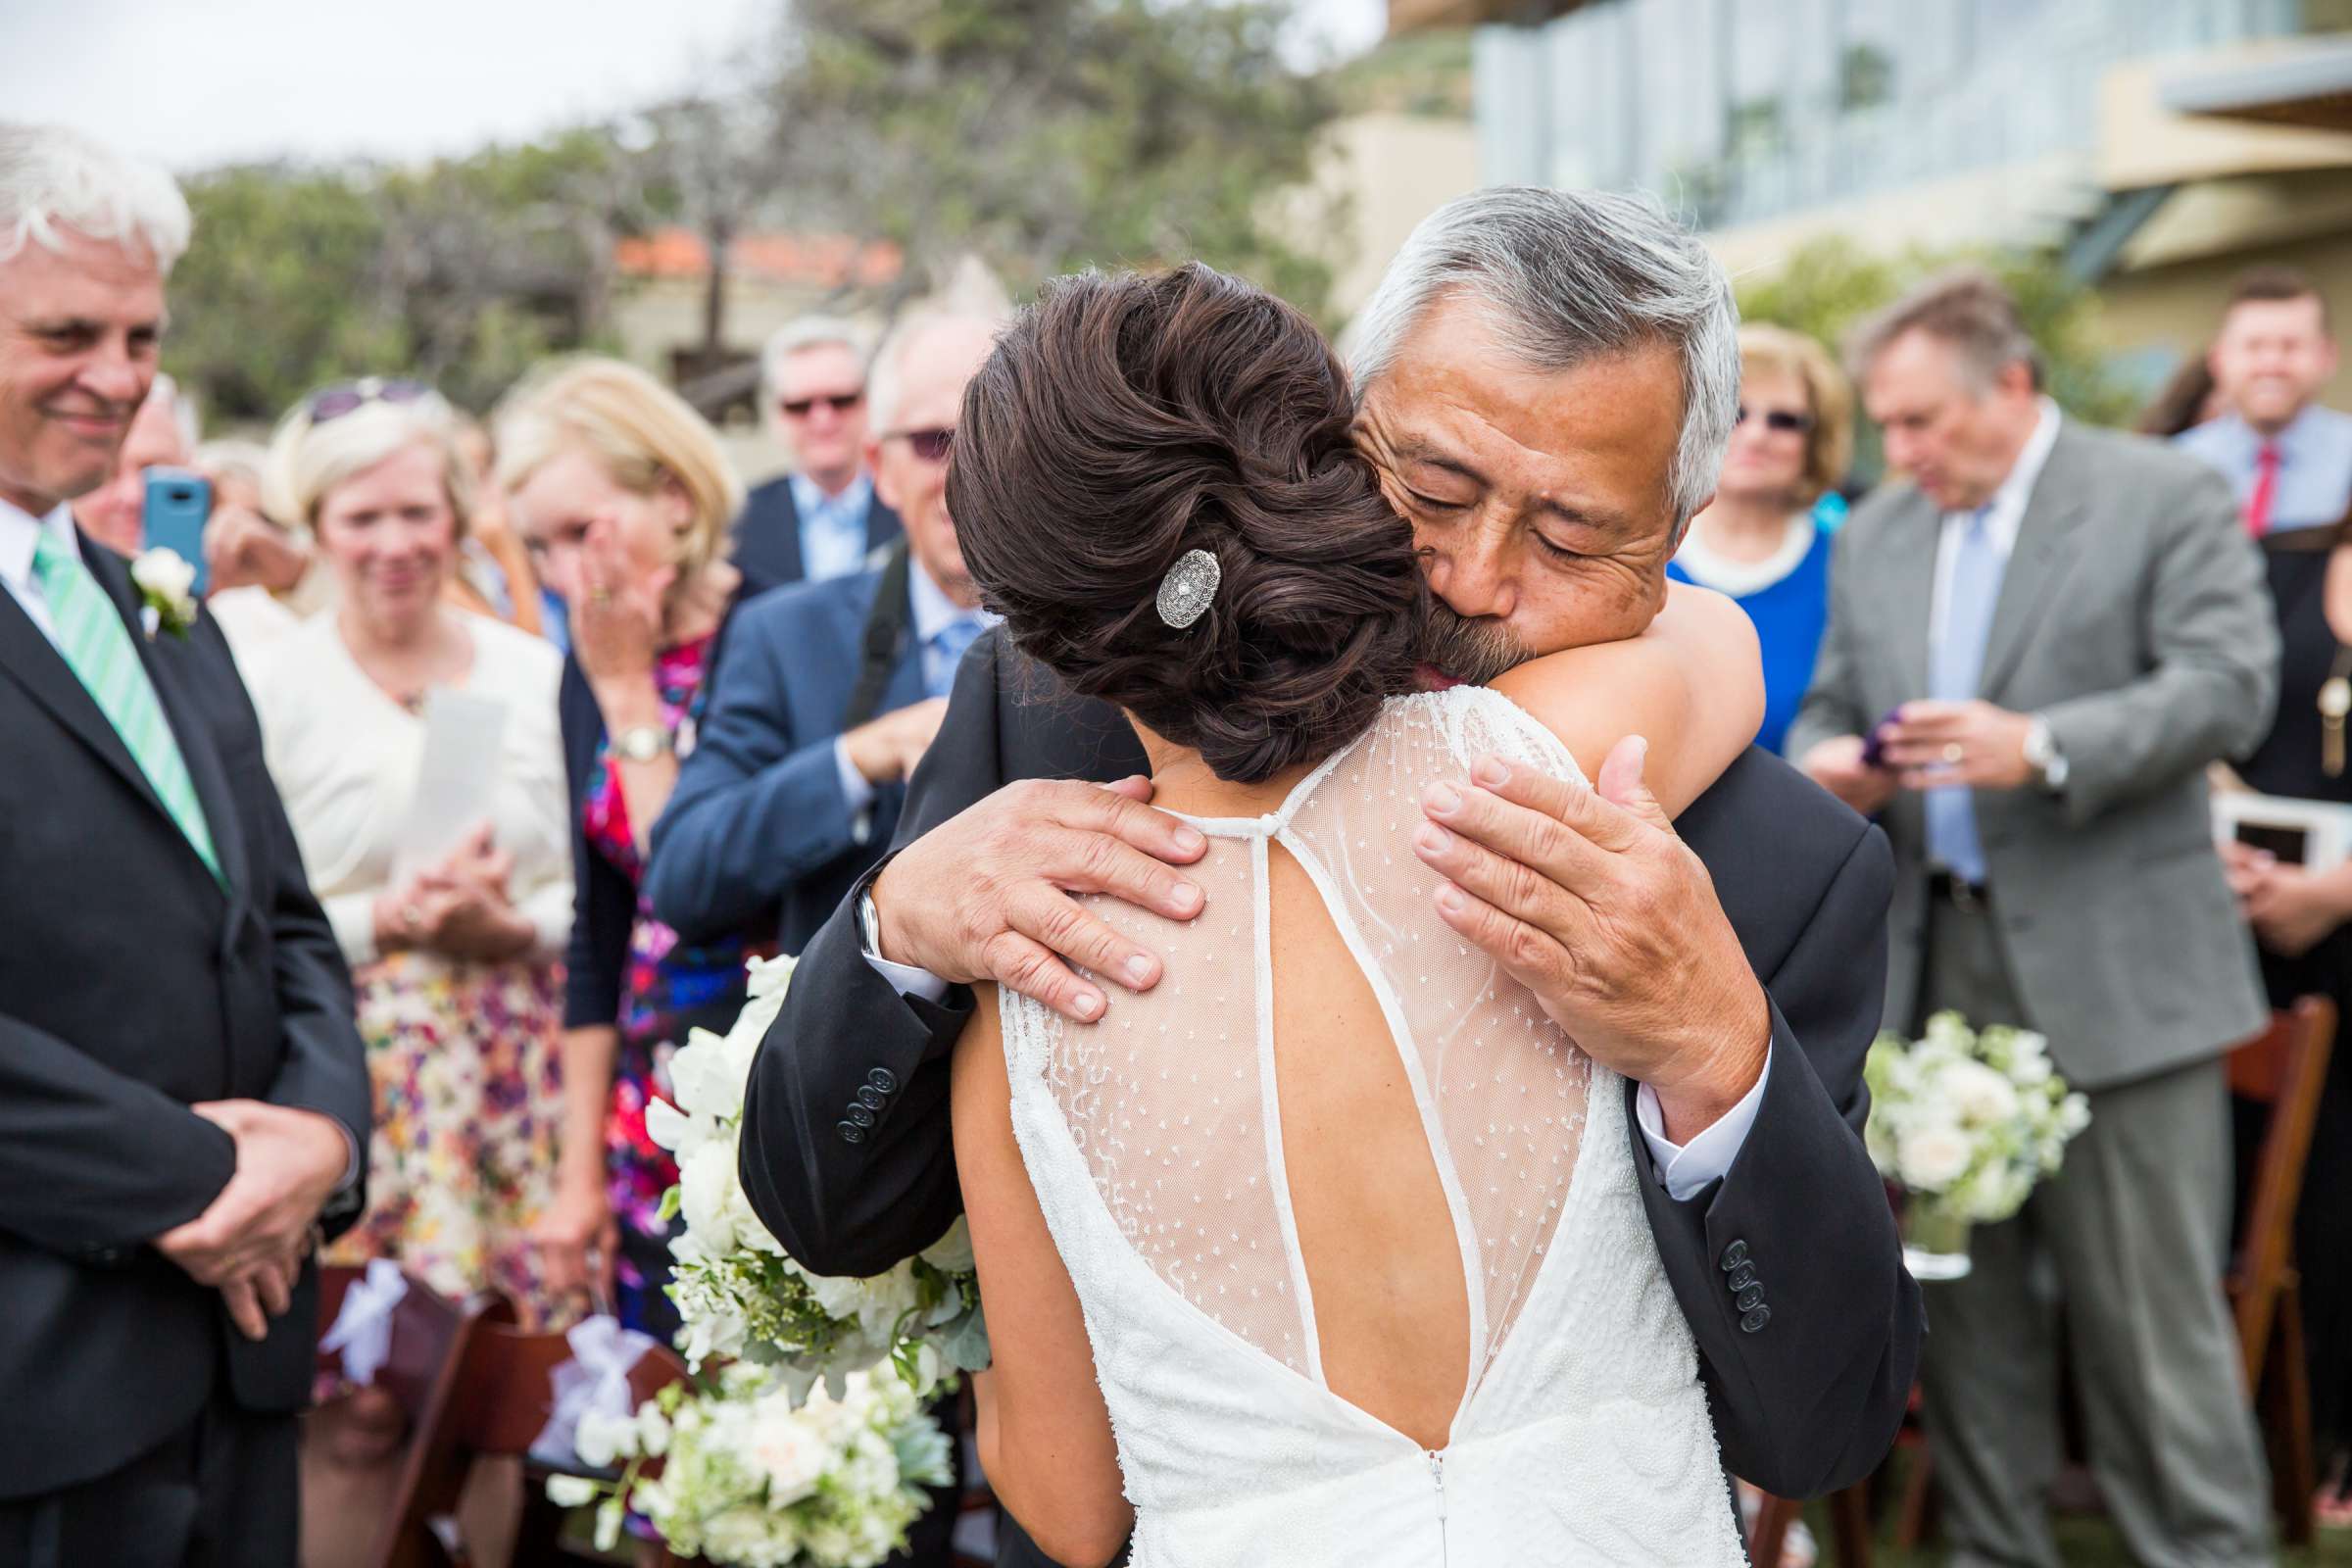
454,945
626,501
1759,542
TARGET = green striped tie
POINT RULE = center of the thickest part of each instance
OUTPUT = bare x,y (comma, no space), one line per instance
91,635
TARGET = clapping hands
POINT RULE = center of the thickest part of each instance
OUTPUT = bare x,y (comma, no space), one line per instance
460,907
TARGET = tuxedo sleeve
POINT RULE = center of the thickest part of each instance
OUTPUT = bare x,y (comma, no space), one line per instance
1809,1380
67,1121
757,805
845,1199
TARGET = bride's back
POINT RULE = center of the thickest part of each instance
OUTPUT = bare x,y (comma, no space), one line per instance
1337,1130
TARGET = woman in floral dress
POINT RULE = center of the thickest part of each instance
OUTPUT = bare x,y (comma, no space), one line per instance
453,927
625,499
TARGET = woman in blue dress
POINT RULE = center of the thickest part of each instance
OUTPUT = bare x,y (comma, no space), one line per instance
1760,542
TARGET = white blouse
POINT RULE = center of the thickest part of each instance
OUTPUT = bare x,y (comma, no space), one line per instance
346,758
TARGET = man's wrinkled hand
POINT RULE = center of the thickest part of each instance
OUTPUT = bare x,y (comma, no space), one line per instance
986,894
264,1292
1590,899
288,1164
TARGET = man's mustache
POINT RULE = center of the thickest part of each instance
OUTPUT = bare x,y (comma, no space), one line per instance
1473,651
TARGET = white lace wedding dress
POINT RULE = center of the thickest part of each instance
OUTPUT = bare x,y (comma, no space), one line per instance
1156,1147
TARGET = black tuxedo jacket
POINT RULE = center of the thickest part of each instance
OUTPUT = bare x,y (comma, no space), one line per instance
1808,1379
768,535
132,986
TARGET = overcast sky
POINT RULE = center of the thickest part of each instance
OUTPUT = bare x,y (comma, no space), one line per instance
195,82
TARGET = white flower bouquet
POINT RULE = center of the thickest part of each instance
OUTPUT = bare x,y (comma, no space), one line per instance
749,1475
740,1295
1965,1122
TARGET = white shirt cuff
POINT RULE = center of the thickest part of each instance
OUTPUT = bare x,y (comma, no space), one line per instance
856,791
908,981
1685,1169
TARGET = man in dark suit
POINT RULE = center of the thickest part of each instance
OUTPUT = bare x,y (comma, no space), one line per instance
828,692
823,519
1546,382
183,1097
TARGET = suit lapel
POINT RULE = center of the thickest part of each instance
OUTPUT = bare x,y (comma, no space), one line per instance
36,664
2046,537
1912,543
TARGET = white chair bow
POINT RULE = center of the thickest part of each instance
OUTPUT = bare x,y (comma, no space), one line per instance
594,1381
362,1328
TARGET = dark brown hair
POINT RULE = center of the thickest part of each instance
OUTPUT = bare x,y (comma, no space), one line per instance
2180,403
2273,283
1125,420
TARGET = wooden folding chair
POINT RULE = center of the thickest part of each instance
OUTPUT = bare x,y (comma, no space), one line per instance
2283,1068
506,1394
431,1339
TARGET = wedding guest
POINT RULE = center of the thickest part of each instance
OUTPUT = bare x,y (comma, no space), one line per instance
626,496
823,519
116,512
1761,541
495,566
2068,627
182,1097
832,690
2289,457
454,946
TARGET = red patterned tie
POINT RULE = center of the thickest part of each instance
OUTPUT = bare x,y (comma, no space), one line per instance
2266,490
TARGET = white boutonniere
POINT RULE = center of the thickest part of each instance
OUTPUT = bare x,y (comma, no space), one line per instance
166,592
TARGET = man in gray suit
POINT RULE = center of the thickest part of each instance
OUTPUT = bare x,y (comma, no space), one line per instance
2051,631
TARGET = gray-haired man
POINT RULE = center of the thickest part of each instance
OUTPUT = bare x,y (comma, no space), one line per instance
1549,378
822,520
2066,625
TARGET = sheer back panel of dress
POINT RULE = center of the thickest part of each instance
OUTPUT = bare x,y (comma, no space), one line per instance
1172,1098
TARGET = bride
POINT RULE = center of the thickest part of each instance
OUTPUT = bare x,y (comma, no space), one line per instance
1327,1249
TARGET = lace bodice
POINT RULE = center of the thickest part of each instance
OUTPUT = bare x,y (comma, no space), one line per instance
1155,1141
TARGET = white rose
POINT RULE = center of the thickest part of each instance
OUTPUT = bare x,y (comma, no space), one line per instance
570,1492
952,1253
1931,1157
791,1456
671,1127
652,1431
601,1439
702,1078
163,571
1981,1096
769,976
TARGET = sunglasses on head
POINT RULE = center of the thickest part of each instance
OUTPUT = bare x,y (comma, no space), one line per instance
838,402
345,397
1782,420
929,445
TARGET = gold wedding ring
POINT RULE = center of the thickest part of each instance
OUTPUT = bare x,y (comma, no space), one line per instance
1952,752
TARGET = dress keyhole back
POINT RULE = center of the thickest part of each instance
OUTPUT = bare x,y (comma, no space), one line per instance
1383,1256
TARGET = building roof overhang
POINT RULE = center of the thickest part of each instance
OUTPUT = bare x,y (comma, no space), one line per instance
2309,88
1419,16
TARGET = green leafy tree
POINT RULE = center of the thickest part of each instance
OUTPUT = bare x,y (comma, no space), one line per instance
1828,285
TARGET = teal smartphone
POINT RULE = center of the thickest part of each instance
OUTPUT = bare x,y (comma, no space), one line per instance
179,499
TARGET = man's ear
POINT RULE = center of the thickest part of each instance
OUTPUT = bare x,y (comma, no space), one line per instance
886,488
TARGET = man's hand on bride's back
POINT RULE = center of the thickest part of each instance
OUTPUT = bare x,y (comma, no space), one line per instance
1590,899
988,895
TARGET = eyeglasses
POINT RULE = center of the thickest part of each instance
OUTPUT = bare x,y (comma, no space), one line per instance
929,445
346,397
1781,421
838,402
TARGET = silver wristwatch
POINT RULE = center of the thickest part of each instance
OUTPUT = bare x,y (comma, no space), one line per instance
869,921
2045,758
642,742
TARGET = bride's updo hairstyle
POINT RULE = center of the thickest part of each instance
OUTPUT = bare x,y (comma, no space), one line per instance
1126,419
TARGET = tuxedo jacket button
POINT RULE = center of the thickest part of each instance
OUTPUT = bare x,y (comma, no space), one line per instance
883,1078
1740,1278
850,1132
1749,1299
1757,1317
872,1098
862,1116
1734,1255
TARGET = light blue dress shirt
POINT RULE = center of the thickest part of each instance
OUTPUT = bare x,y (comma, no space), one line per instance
2315,464
832,528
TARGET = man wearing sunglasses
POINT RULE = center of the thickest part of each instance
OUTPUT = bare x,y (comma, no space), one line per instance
829,691
822,520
